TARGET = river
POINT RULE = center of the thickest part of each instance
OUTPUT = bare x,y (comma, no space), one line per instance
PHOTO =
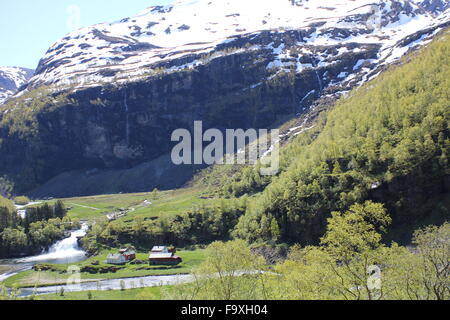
67,251
111,284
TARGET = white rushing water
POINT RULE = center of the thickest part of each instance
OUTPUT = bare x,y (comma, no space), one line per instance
64,251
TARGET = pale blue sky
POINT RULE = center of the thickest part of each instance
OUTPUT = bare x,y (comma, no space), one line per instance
29,27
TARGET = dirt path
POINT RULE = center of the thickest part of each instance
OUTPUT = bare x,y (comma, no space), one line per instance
79,205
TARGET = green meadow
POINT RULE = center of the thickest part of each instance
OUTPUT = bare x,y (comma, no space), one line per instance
152,293
162,203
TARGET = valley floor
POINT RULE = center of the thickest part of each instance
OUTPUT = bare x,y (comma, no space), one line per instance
58,275
126,208
153,293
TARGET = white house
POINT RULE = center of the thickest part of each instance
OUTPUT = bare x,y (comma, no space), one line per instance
116,259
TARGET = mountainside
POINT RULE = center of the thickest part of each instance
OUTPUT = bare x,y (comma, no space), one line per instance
105,99
11,79
388,142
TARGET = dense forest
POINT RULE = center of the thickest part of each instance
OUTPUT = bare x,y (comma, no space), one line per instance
349,263
40,228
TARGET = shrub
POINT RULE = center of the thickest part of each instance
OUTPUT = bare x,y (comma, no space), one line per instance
21,200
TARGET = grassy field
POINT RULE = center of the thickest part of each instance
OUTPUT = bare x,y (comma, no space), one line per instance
33,278
153,293
163,202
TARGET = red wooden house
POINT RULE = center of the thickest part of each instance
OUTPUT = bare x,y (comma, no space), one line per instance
163,256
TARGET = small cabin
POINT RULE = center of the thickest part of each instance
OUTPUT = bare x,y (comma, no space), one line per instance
161,255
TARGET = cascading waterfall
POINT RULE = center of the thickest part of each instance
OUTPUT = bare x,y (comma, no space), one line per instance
319,79
127,119
64,251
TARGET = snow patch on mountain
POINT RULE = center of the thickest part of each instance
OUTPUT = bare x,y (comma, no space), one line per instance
136,47
11,79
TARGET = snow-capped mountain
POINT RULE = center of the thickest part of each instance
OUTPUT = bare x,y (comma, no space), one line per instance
136,47
11,79
230,63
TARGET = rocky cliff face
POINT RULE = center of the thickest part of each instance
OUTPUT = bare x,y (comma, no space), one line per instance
105,99
11,79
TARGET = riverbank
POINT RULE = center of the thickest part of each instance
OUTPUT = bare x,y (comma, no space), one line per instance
151,293
119,284
57,275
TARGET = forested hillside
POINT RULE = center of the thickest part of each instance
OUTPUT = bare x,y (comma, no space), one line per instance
387,142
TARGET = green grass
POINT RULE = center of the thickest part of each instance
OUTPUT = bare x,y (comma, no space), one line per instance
166,203
170,203
31,278
152,293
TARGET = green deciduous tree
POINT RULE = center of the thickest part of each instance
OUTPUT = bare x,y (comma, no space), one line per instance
231,271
